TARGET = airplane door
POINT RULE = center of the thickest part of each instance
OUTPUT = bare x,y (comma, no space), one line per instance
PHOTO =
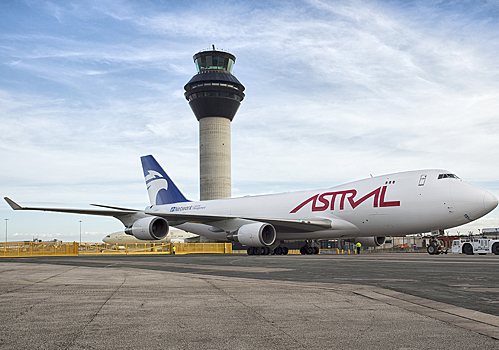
422,180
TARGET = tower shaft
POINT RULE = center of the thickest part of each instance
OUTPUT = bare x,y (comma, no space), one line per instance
214,95
214,158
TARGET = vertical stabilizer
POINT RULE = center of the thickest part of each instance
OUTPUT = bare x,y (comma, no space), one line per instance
160,187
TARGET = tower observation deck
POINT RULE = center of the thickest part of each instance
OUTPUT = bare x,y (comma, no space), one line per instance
214,95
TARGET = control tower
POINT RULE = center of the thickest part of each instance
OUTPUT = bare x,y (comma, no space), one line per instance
214,95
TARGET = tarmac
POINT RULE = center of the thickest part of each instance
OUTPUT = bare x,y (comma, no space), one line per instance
370,301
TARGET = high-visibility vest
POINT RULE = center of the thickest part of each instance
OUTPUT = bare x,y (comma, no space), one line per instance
358,245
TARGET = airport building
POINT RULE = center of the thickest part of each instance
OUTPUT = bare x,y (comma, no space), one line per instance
214,96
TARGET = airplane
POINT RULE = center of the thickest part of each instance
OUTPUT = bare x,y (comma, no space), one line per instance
174,236
366,210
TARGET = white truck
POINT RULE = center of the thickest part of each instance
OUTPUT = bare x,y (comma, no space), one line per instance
470,246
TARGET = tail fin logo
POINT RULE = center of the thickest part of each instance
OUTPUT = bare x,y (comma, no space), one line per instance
160,187
155,176
157,186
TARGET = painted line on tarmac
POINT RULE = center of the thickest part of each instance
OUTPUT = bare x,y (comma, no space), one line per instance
475,321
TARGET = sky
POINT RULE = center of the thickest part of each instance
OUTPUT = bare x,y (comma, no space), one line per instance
335,91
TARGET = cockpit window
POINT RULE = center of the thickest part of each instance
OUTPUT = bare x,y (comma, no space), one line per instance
447,176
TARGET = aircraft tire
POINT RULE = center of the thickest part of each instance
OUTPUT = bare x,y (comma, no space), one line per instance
316,250
495,248
468,249
303,250
431,249
285,250
310,250
250,251
278,250
266,251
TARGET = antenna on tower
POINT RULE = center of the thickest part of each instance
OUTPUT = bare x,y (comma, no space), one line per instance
213,45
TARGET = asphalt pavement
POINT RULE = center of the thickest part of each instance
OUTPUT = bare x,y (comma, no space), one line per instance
369,301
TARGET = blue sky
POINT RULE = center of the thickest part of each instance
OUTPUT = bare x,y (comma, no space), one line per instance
335,91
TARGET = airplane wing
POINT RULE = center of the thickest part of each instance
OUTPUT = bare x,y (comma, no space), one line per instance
116,212
300,225
224,222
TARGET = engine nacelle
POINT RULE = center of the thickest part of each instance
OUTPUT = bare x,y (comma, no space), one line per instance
153,228
258,234
369,241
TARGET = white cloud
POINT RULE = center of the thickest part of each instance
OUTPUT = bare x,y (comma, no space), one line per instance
335,91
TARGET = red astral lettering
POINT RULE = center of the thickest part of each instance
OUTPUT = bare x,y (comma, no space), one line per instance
321,202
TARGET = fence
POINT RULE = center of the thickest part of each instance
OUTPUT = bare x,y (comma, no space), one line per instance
27,249
24,249
337,251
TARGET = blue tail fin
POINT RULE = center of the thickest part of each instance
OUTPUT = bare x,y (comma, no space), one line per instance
160,187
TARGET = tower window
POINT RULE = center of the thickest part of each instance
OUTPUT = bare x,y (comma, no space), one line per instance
215,94
214,62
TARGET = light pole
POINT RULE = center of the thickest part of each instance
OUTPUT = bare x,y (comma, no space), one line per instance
80,232
6,221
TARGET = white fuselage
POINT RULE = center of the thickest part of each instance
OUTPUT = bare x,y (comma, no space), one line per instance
394,204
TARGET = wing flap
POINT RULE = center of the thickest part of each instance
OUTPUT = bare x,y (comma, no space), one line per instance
189,217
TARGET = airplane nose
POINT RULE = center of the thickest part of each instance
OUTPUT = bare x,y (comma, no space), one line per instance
489,201
472,202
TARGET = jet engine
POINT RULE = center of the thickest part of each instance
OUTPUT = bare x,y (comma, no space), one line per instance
258,234
149,228
369,241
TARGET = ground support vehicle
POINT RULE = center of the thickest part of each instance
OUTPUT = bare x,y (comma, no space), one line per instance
470,246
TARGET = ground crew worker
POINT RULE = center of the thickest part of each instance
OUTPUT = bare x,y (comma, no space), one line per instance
358,245
173,250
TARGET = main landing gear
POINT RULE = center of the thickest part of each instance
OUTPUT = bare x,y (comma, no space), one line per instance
266,251
309,249
280,251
